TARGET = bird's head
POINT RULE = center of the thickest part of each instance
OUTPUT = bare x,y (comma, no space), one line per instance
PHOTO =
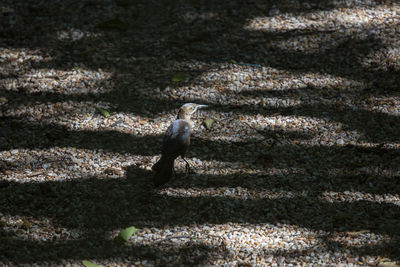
188,109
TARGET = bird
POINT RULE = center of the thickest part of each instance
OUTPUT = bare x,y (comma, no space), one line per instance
175,143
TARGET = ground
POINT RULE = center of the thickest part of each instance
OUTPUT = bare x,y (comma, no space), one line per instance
296,159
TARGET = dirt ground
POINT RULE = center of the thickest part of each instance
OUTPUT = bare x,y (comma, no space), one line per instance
296,159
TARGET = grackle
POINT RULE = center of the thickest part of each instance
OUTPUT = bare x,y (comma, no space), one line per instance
176,142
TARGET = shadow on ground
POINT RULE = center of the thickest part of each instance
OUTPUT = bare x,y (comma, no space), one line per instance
96,206
158,35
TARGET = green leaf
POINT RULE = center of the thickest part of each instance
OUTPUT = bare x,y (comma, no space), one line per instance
112,24
90,264
208,122
125,234
178,77
103,112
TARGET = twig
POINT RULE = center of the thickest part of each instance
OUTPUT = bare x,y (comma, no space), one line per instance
187,236
35,173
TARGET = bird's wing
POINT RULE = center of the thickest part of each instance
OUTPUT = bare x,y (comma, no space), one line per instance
176,139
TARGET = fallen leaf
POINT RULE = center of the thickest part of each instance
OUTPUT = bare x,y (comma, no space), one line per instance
356,233
125,234
103,112
178,77
90,264
208,122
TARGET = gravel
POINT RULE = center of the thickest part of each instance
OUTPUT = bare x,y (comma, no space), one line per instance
299,167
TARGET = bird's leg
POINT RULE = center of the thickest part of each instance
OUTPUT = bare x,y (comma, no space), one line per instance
188,167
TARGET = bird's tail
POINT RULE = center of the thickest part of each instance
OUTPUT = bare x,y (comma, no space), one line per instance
163,171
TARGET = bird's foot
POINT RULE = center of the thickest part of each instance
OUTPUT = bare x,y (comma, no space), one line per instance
189,171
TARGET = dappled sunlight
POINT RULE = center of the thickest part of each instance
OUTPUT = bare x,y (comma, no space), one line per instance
231,193
190,17
226,79
384,105
39,227
73,35
295,160
59,164
351,196
343,20
73,82
388,57
11,58
61,113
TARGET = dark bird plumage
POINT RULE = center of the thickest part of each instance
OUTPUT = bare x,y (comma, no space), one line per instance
176,142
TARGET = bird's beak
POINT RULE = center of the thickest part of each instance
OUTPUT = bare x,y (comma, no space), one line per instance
201,106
